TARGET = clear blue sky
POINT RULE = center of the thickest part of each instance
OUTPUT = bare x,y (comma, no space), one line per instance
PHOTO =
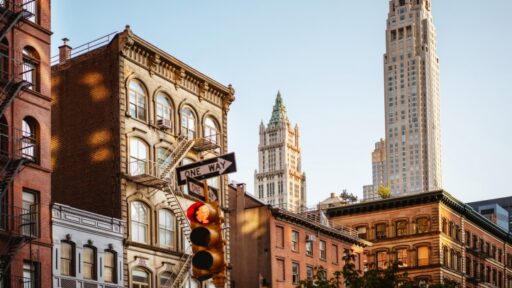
326,58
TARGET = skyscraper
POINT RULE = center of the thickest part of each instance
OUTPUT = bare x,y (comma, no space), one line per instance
279,180
411,71
379,174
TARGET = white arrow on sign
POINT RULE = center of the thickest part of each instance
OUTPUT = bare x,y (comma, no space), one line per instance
216,167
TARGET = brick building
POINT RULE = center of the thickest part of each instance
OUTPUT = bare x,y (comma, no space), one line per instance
277,248
125,114
435,236
25,166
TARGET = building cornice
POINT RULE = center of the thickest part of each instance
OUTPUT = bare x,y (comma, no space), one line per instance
294,218
439,196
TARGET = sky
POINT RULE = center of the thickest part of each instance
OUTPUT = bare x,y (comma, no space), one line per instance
326,58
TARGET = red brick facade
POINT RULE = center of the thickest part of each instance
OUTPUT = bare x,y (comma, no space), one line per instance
275,248
26,134
434,235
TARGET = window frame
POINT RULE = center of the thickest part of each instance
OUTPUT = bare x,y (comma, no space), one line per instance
209,127
71,260
381,236
188,123
171,229
425,225
164,111
93,264
139,284
399,229
137,164
419,261
322,248
135,110
295,273
31,67
294,241
113,267
145,225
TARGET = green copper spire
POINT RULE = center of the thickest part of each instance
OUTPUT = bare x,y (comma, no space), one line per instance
279,111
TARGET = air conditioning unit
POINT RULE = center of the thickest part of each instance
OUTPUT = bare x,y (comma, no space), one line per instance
163,123
310,238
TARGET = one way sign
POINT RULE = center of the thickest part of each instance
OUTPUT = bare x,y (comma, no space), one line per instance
208,168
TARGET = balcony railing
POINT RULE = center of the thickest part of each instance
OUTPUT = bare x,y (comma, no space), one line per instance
22,145
19,221
21,282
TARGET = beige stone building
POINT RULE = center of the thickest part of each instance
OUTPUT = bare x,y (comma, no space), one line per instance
379,174
125,115
412,112
279,180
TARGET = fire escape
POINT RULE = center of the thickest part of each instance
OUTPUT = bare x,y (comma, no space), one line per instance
17,148
162,177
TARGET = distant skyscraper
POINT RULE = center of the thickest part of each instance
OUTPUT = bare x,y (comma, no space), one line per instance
379,175
411,69
279,180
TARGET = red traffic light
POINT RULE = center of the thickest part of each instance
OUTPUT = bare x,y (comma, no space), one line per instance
202,213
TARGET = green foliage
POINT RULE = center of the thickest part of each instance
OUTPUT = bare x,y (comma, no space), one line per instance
372,278
349,197
384,192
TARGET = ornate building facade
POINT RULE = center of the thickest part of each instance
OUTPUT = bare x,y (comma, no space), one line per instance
412,102
126,114
279,180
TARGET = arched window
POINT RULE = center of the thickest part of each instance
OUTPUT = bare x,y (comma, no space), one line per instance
166,228
31,7
67,258
211,132
139,222
89,263
138,157
29,139
140,278
163,111
166,280
30,69
188,123
137,99
109,267
4,137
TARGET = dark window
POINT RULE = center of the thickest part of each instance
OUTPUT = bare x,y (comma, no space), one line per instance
401,228
380,231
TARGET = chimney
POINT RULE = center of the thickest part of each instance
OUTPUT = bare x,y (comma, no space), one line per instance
333,195
64,51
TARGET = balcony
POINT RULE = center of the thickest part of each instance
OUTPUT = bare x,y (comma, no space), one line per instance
19,222
23,145
147,173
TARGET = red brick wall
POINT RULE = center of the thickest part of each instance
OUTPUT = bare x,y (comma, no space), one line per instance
86,132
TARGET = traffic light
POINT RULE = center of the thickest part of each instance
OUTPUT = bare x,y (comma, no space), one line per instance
206,238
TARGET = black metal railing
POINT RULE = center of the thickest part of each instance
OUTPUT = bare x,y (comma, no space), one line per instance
21,282
19,221
24,144
84,48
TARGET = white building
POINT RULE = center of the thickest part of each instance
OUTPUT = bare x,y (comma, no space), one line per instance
411,72
87,249
279,180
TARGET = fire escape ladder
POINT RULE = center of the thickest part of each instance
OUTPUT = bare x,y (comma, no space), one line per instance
180,273
9,92
11,169
10,19
184,145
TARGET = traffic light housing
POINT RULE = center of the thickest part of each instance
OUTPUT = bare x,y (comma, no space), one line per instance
206,238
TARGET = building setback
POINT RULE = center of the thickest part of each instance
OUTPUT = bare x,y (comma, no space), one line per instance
95,239
25,164
412,112
379,174
434,236
279,179
125,115
277,248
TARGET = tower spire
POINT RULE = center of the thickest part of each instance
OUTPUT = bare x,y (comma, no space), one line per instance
279,111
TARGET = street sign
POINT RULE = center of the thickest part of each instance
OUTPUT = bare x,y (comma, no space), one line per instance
208,168
195,188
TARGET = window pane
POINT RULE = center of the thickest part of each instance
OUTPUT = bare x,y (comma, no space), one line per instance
139,222
423,256
109,267
89,263
166,228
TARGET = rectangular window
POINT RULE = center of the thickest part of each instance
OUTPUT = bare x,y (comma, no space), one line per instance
380,231
423,256
29,213
67,259
280,270
323,252
382,260
309,248
334,254
295,273
109,268
401,256
309,272
362,232
401,228
295,241
30,275
89,263
279,237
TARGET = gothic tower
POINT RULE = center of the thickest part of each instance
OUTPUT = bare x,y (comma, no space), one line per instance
279,180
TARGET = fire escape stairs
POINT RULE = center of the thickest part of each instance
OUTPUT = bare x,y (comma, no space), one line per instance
184,145
9,92
14,244
9,172
10,19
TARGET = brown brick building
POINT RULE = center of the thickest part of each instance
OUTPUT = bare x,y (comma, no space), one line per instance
25,175
125,114
272,247
435,236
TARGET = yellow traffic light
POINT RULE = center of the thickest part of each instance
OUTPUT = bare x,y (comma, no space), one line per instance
206,238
